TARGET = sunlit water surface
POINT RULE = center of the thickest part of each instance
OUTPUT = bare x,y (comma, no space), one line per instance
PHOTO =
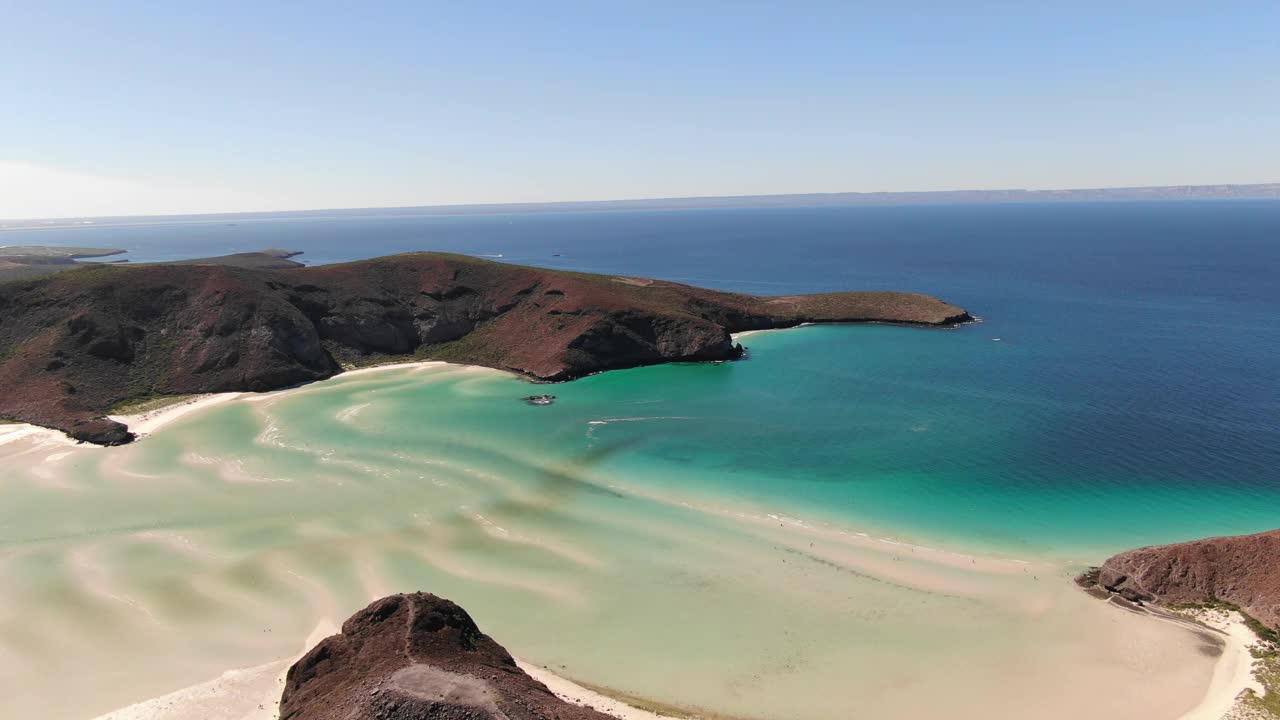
856,521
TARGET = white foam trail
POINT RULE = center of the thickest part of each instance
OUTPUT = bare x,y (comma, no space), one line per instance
348,415
606,421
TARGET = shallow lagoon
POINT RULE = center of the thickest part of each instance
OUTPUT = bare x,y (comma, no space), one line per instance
611,557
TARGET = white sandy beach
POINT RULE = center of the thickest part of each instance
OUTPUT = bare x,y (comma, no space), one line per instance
13,432
146,423
242,694
150,421
254,693
1234,672
571,692
738,336
141,424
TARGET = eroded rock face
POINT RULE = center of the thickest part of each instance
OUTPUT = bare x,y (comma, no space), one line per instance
101,431
1243,570
416,657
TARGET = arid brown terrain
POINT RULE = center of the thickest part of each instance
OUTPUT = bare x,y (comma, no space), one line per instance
75,343
1243,570
417,657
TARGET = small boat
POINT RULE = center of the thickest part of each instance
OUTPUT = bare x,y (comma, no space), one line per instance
539,399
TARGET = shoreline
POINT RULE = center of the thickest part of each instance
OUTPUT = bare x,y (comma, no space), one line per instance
149,421
1234,673
15,431
736,337
253,693
402,365
576,694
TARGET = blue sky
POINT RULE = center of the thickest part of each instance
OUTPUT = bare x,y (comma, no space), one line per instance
151,107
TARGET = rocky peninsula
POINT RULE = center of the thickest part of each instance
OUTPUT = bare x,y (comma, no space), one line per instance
1227,585
1242,571
76,343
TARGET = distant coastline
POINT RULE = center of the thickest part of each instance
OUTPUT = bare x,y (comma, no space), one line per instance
1257,191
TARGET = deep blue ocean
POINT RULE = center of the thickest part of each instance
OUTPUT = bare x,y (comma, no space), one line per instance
1122,388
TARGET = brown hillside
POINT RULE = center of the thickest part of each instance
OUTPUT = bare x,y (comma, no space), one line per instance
1243,570
417,657
76,343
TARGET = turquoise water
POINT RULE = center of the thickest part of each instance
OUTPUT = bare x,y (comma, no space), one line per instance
1133,396
877,428
880,425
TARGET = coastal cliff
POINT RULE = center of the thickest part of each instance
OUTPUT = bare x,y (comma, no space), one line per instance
416,657
1243,571
76,343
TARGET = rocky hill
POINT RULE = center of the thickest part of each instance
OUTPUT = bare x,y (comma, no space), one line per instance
75,343
416,657
1243,570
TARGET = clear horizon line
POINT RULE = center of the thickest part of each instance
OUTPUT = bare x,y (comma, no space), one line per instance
1272,191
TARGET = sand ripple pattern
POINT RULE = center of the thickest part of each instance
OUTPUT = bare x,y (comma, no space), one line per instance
223,540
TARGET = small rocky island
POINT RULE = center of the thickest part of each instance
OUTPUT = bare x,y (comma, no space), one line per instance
77,342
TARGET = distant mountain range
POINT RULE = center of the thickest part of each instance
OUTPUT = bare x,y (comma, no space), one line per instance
1267,191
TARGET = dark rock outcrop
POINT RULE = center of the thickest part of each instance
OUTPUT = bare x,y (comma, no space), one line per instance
416,657
75,343
1243,570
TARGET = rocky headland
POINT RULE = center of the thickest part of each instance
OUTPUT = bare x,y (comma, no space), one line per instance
417,657
27,262
76,343
1242,571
